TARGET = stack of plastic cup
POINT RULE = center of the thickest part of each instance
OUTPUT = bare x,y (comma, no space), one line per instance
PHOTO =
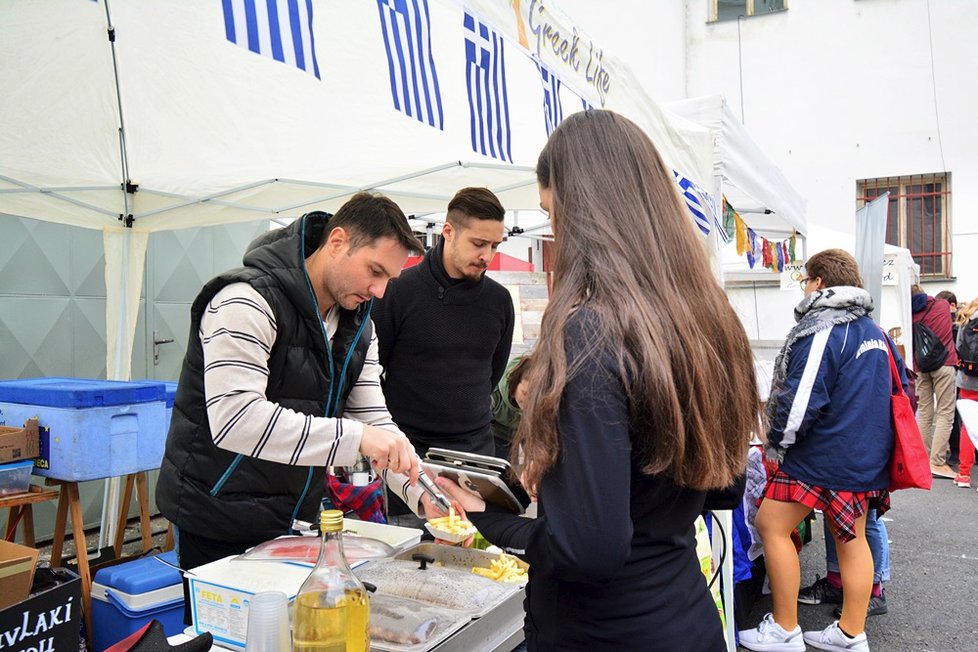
268,623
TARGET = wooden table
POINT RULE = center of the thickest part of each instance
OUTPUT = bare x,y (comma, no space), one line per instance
68,501
21,507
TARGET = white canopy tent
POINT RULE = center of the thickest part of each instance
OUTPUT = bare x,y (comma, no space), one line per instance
752,183
135,117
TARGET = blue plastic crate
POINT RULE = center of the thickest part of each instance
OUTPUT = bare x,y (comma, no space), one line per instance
90,429
127,596
171,394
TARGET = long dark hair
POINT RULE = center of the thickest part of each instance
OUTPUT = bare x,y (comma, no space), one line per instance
626,249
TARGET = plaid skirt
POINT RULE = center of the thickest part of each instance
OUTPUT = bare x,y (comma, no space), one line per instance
843,507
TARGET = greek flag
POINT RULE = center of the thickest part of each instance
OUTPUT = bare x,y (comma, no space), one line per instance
277,29
406,27
698,202
485,76
553,112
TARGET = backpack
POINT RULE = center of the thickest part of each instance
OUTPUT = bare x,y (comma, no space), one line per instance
968,351
928,350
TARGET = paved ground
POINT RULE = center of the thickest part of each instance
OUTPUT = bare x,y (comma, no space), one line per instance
933,595
132,544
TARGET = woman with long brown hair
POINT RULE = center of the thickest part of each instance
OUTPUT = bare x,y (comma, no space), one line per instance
641,397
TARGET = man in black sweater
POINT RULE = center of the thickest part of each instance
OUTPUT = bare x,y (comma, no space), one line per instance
445,332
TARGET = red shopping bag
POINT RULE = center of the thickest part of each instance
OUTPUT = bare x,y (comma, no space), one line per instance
910,463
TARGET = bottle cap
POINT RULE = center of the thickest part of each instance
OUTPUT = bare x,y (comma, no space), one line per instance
331,520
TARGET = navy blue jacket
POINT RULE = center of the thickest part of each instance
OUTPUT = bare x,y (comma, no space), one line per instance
833,415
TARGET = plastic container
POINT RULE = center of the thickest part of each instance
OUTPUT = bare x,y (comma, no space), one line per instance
171,394
15,477
127,596
395,536
90,429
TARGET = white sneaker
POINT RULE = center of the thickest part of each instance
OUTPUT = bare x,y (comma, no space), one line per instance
831,638
772,637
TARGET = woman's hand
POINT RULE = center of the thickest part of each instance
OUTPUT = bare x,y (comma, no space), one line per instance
431,509
460,497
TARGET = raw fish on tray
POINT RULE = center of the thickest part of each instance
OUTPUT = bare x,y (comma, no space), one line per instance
306,549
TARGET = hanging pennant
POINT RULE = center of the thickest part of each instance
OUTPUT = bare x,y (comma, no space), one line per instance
741,231
730,222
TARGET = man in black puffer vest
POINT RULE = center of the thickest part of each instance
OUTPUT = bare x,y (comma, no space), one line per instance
281,352
445,332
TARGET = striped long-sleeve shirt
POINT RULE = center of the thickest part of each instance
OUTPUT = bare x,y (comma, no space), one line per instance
237,332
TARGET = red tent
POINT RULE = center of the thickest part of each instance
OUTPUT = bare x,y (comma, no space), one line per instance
500,263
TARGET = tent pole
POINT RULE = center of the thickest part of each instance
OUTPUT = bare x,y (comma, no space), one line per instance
110,498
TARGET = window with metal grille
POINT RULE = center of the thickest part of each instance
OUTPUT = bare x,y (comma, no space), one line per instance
732,9
918,217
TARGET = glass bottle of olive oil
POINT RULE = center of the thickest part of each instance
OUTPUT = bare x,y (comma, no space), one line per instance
331,610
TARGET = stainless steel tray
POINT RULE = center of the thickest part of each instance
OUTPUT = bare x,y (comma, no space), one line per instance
446,622
453,556
403,578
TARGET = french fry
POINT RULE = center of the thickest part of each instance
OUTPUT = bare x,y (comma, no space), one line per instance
503,569
452,524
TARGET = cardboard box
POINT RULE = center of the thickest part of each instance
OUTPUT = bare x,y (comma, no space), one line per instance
221,591
18,443
50,619
17,564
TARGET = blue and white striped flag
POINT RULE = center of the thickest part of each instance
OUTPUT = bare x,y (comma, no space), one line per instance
485,76
406,27
553,111
698,202
277,29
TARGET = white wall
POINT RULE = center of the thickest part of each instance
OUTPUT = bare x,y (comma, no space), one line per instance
648,35
840,90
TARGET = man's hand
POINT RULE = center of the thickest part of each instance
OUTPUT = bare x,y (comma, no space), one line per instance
389,450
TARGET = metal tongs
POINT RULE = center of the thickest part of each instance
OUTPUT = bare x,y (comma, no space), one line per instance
432,491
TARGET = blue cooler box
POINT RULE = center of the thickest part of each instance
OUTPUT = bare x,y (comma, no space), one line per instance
89,429
171,394
127,596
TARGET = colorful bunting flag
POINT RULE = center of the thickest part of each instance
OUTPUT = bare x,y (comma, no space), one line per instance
773,255
729,219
